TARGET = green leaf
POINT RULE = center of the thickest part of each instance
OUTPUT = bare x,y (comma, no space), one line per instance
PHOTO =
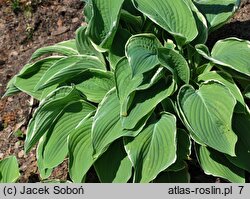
208,113
201,24
117,50
228,81
126,85
43,171
120,170
55,147
176,63
241,126
217,12
9,171
145,101
94,84
11,89
84,45
87,11
216,164
181,176
183,151
47,113
66,48
67,68
128,6
106,124
203,50
154,149
141,51
68,43
247,92
80,150
174,16
232,53
31,74
133,22
104,22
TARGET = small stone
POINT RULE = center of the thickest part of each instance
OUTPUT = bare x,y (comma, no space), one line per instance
20,154
23,167
13,53
59,22
60,31
2,26
83,23
10,99
17,144
75,20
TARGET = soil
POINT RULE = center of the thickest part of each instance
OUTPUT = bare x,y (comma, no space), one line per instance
36,23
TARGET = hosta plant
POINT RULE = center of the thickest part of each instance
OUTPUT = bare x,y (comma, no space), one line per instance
137,91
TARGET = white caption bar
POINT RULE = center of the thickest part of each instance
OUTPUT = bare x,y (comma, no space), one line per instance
124,191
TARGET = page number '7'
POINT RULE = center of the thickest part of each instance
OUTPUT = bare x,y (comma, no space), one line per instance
241,189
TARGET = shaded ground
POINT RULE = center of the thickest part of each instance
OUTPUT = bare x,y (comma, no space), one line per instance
40,23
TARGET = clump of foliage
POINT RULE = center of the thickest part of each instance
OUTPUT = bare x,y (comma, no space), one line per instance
137,89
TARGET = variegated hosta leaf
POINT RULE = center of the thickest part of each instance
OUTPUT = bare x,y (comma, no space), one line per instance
80,150
231,54
129,7
106,124
217,12
174,16
134,23
180,176
145,101
104,21
55,146
67,68
94,84
228,81
117,50
241,126
66,48
87,11
141,51
126,85
84,45
183,151
208,113
216,164
43,171
47,113
154,149
9,171
201,23
11,89
176,63
120,170
31,74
